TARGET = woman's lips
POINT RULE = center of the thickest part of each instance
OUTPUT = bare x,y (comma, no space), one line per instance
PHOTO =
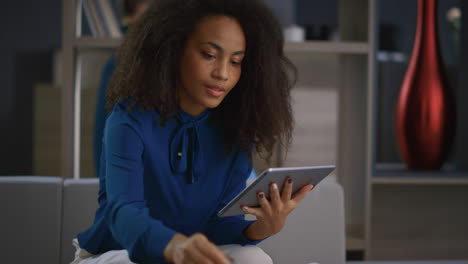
215,90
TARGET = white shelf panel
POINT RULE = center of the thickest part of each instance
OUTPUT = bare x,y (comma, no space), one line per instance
328,47
396,173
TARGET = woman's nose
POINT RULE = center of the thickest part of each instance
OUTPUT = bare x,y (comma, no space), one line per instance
221,72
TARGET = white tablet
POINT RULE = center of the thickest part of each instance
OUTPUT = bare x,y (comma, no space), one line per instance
301,176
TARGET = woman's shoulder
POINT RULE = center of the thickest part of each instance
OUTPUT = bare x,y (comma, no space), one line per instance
125,111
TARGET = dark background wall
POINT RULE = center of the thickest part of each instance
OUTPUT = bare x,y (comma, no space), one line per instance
397,26
31,31
305,12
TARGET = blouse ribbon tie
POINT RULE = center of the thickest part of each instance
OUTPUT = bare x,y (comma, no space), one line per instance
186,156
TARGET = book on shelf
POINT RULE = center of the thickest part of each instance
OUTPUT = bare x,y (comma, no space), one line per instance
89,18
101,18
96,17
110,19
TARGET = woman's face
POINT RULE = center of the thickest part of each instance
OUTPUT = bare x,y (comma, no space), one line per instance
211,63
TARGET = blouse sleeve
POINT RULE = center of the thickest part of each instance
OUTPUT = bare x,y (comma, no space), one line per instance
230,230
144,237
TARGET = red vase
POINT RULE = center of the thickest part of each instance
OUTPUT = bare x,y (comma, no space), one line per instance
425,111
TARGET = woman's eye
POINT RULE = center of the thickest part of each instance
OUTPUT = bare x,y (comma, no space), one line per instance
208,55
236,63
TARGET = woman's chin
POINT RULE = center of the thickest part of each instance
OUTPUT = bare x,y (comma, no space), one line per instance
213,103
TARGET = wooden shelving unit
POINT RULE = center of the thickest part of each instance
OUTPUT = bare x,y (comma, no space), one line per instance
74,43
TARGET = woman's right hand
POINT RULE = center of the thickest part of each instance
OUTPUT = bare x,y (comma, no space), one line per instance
193,250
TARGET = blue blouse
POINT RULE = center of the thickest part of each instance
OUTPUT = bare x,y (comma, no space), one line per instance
101,113
161,180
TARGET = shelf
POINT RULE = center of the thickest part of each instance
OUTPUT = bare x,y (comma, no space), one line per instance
92,42
328,46
396,174
307,46
421,181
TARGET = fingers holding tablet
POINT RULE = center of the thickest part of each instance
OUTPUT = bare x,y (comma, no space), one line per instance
264,205
275,197
301,194
286,193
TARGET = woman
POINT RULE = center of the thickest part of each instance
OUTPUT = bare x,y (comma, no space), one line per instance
199,85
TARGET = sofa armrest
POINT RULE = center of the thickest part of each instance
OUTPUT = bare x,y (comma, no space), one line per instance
31,208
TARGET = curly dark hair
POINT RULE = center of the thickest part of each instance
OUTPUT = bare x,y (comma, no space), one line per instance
256,112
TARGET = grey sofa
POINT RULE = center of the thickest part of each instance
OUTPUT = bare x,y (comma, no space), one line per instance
41,215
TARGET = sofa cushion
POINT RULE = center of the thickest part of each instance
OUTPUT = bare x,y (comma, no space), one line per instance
79,206
315,231
30,219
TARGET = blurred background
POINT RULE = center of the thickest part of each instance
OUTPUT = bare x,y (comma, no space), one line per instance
351,56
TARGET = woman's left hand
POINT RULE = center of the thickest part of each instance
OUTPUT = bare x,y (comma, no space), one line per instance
272,214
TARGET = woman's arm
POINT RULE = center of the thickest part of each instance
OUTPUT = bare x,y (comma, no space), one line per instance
146,239
127,214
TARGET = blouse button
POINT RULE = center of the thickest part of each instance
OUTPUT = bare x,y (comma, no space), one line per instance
179,155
